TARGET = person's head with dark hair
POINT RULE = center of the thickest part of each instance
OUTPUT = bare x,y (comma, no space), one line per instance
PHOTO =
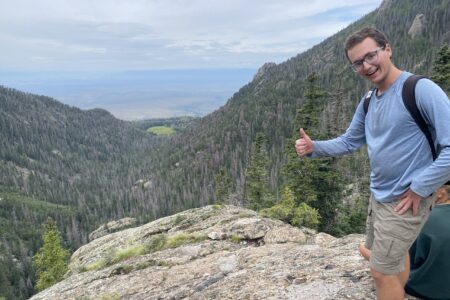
361,35
369,54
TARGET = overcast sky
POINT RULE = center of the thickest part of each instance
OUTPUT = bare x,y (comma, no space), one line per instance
106,35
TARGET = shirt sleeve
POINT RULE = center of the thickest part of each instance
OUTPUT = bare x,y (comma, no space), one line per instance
349,142
434,105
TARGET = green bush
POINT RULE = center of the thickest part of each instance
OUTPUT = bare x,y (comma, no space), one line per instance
305,215
156,243
287,210
278,211
179,219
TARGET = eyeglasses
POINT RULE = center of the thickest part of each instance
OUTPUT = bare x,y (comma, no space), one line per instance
369,58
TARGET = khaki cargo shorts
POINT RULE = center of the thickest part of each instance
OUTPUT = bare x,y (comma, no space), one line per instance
390,235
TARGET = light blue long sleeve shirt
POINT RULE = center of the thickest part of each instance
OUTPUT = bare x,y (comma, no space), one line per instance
400,156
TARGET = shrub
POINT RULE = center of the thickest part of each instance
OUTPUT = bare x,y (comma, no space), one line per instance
305,215
287,210
156,243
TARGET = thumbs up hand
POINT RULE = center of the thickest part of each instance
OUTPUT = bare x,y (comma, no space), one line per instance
304,145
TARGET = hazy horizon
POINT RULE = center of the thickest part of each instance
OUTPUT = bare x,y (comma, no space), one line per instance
136,95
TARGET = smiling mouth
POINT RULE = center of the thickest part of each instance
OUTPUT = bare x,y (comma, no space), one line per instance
371,73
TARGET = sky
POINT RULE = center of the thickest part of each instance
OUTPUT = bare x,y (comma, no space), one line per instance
165,34
38,38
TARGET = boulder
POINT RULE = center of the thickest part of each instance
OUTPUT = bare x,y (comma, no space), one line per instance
110,227
418,26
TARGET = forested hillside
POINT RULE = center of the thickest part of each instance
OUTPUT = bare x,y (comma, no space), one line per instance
85,167
81,168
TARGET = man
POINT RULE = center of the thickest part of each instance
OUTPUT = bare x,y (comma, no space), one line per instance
403,173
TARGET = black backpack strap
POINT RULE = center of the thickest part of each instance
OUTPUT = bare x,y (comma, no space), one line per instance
367,99
409,99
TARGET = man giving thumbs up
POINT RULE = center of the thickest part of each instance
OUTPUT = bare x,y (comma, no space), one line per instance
403,174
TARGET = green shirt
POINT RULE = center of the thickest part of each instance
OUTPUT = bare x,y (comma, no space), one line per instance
430,257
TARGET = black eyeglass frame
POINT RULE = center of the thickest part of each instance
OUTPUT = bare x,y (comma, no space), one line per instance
373,55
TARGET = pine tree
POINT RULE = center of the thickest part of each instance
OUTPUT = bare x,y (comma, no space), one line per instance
257,194
313,181
441,68
223,186
51,259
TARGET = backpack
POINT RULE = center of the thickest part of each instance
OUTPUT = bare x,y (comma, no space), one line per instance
409,100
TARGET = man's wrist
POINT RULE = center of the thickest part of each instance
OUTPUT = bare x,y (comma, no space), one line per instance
417,192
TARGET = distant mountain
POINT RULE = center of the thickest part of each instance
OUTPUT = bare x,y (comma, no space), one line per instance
135,95
86,167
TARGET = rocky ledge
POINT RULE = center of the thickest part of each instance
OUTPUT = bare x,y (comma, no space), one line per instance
216,252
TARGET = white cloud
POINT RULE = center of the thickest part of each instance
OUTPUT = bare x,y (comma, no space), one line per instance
158,34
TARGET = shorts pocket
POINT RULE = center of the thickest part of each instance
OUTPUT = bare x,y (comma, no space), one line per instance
388,255
396,249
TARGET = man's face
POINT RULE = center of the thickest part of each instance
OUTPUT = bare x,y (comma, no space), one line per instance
442,196
370,60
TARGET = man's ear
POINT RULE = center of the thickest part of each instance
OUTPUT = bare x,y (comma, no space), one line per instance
388,49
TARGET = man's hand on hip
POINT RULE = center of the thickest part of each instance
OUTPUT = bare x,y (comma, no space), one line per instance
408,200
304,145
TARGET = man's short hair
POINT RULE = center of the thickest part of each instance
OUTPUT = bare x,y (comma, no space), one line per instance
447,188
361,35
